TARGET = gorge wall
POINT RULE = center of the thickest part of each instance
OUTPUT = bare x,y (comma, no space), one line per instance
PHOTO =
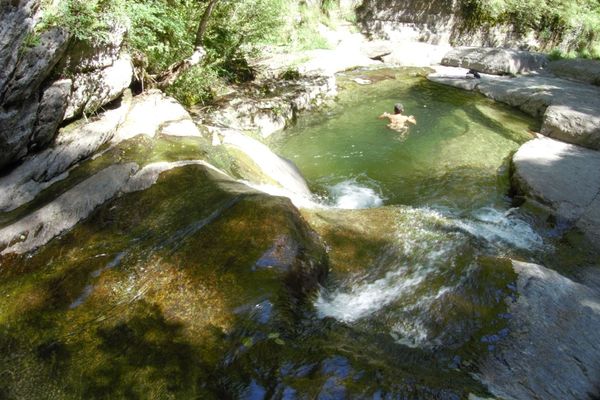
442,22
48,77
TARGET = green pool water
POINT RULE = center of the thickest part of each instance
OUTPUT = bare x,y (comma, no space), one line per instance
455,156
193,289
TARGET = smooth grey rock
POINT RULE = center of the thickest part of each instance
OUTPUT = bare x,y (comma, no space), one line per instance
580,69
249,111
50,113
16,127
574,123
63,213
16,22
87,57
415,54
553,349
152,112
35,66
565,178
495,61
94,89
570,111
377,48
73,143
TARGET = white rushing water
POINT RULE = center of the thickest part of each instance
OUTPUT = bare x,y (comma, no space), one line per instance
500,227
351,195
428,243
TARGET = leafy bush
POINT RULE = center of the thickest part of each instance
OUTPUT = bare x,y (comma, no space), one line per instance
86,20
577,21
198,85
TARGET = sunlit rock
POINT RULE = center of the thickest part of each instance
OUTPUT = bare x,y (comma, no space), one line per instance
563,177
553,350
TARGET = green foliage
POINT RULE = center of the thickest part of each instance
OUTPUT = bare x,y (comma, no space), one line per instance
86,20
198,85
552,20
235,28
162,30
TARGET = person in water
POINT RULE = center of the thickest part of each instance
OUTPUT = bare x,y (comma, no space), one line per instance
398,121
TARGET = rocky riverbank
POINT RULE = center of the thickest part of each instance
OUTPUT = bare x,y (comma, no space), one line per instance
137,234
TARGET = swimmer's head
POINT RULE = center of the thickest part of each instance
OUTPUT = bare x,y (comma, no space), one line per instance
398,108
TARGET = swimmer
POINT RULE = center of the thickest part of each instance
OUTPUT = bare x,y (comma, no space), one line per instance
398,121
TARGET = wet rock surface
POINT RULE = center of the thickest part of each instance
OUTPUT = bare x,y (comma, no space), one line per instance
168,285
150,114
553,348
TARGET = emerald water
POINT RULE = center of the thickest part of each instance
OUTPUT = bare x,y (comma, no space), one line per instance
200,287
455,156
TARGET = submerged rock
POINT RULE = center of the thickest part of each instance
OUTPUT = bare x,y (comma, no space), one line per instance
565,178
151,282
553,350
570,111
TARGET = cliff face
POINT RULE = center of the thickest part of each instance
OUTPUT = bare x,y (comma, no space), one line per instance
49,78
438,22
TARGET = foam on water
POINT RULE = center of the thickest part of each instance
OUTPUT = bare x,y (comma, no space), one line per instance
495,227
427,245
365,299
351,195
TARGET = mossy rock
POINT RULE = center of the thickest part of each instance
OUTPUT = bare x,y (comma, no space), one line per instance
140,299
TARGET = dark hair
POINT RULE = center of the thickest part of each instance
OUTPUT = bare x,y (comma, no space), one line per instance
398,108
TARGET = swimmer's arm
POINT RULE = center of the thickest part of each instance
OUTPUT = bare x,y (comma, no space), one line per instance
384,115
412,120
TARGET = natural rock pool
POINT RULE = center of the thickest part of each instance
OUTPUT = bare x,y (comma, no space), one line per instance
200,287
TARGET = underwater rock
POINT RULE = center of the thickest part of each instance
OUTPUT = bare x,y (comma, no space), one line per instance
570,111
553,349
563,177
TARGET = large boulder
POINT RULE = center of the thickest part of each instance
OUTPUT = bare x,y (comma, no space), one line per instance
51,112
35,65
32,104
16,22
150,114
495,61
91,90
579,69
563,177
553,349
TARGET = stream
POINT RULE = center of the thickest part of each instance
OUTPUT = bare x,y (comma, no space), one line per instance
201,287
